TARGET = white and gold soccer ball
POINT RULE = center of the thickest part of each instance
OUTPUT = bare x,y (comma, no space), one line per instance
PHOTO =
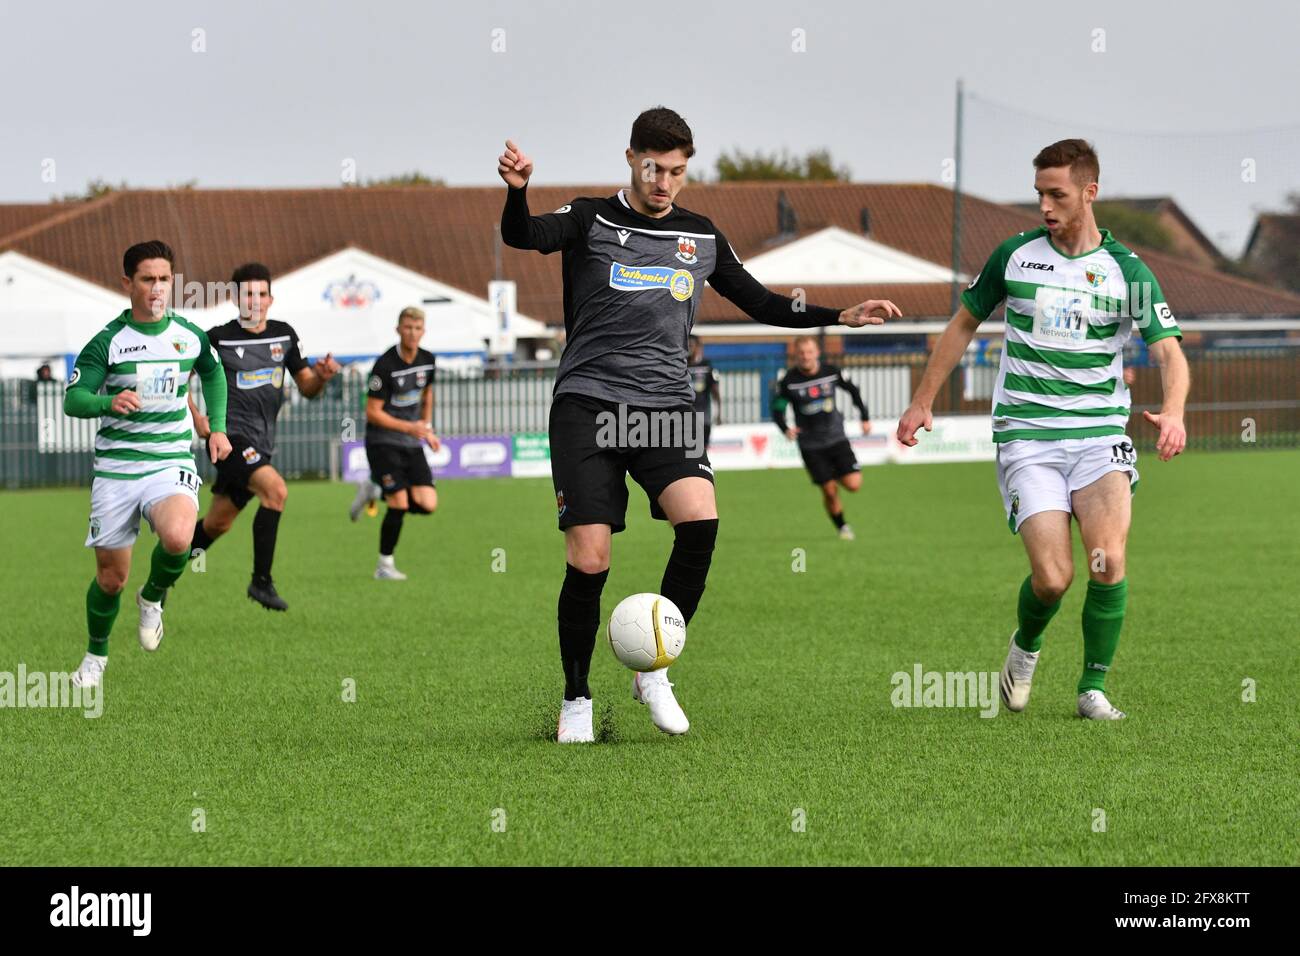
646,632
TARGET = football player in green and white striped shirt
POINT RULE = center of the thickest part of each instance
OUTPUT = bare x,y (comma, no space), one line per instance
1074,295
132,377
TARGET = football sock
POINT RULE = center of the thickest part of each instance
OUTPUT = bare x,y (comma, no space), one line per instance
418,509
390,529
1103,616
266,524
578,619
164,570
202,540
838,519
1032,616
101,612
688,565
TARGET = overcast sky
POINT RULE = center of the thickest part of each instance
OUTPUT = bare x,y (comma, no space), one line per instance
284,94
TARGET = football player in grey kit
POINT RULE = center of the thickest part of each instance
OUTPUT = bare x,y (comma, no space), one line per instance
635,265
256,352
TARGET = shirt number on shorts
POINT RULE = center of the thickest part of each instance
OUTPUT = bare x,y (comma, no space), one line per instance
188,479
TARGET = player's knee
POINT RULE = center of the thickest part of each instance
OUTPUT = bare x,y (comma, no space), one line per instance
1051,583
275,497
424,501
1106,565
852,481
110,580
590,560
176,540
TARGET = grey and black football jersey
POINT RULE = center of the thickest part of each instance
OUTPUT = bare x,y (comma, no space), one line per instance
256,366
632,286
401,385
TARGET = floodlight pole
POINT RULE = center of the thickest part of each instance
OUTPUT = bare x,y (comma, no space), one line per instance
956,208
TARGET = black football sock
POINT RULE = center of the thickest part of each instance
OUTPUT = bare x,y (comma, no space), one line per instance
578,618
838,519
266,524
202,540
390,529
688,565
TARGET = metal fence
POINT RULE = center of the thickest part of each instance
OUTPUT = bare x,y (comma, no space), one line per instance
1242,391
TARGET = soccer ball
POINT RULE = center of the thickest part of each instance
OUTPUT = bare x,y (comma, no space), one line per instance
646,632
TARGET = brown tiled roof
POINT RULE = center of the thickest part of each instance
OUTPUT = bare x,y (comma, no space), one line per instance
447,233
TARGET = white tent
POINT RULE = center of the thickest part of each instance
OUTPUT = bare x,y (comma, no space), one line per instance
345,303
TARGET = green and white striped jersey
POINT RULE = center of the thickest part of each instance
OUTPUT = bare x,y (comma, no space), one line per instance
1068,318
153,359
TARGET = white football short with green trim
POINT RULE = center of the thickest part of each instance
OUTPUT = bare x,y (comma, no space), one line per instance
116,504
1036,475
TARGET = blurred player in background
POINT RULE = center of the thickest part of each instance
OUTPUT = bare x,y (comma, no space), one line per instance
1073,296
132,377
256,352
809,388
399,424
706,384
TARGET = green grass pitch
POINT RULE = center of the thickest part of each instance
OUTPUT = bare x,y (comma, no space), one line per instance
444,758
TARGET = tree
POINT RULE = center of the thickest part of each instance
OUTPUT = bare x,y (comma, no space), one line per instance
1136,226
414,178
738,166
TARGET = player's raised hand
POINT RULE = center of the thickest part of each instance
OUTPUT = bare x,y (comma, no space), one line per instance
871,312
1173,436
915,418
514,166
218,447
327,368
124,403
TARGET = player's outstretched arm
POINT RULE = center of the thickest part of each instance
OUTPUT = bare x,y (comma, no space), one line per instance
522,230
947,353
1175,381
734,282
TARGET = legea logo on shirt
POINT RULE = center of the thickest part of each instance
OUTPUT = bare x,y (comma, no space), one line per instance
679,282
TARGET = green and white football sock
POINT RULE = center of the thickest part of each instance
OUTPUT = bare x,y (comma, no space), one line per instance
101,612
1032,616
1103,616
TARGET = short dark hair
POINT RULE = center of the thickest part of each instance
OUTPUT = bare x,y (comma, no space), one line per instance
251,272
662,130
1077,154
153,249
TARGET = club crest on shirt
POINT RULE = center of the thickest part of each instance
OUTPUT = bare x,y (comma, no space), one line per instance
559,503
277,352
251,455
1095,274
686,250
179,344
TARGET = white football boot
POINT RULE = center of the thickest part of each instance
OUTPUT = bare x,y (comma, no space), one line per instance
387,571
652,688
1093,705
151,625
846,533
91,671
575,722
1017,675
